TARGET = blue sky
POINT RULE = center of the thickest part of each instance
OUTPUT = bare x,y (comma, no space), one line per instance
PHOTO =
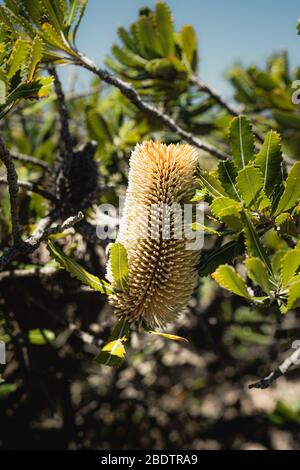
228,31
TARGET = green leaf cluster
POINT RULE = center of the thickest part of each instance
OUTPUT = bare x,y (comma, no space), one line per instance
253,195
157,60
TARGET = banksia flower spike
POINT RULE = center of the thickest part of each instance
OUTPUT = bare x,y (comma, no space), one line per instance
162,272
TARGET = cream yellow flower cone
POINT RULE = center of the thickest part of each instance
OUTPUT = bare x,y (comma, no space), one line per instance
162,272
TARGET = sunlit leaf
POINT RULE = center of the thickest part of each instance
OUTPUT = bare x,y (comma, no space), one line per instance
241,141
269,161
291,192
35,56
40,337
249,183
18,57
211,184
290,263
228,211
258,272
165,27
254,245
167,336
204,228
294,295
119,265
78,271
227,175
113,353
188,41
228,278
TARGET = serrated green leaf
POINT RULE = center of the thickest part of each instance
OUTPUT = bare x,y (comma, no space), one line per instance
286,224
228,211
160,68
253,243
291,192
128,58
18,57
241,141
188,42
113,353
54,39
34,10
40,337
165,28
51,14
135,36
35,56
294,295
127,39
204,228
198,196
60,8
12,19
276,260
119,265
290,263
228,278
258,272
72,13
39,88
83,5
227,175
249,183
211,184
269,161
78,271
149,38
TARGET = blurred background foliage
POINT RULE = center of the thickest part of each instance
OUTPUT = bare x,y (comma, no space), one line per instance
166,395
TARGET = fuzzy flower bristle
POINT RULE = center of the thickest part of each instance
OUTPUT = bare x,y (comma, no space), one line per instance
162,272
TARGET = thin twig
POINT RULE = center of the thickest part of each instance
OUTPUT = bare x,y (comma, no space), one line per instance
202,86
130,93
21,157
40,234
13,187
293,359
33,187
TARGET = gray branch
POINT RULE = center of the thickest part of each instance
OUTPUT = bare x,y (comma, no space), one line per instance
33,187
21,157
292,360
13,187
202,86
42,232
129,92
